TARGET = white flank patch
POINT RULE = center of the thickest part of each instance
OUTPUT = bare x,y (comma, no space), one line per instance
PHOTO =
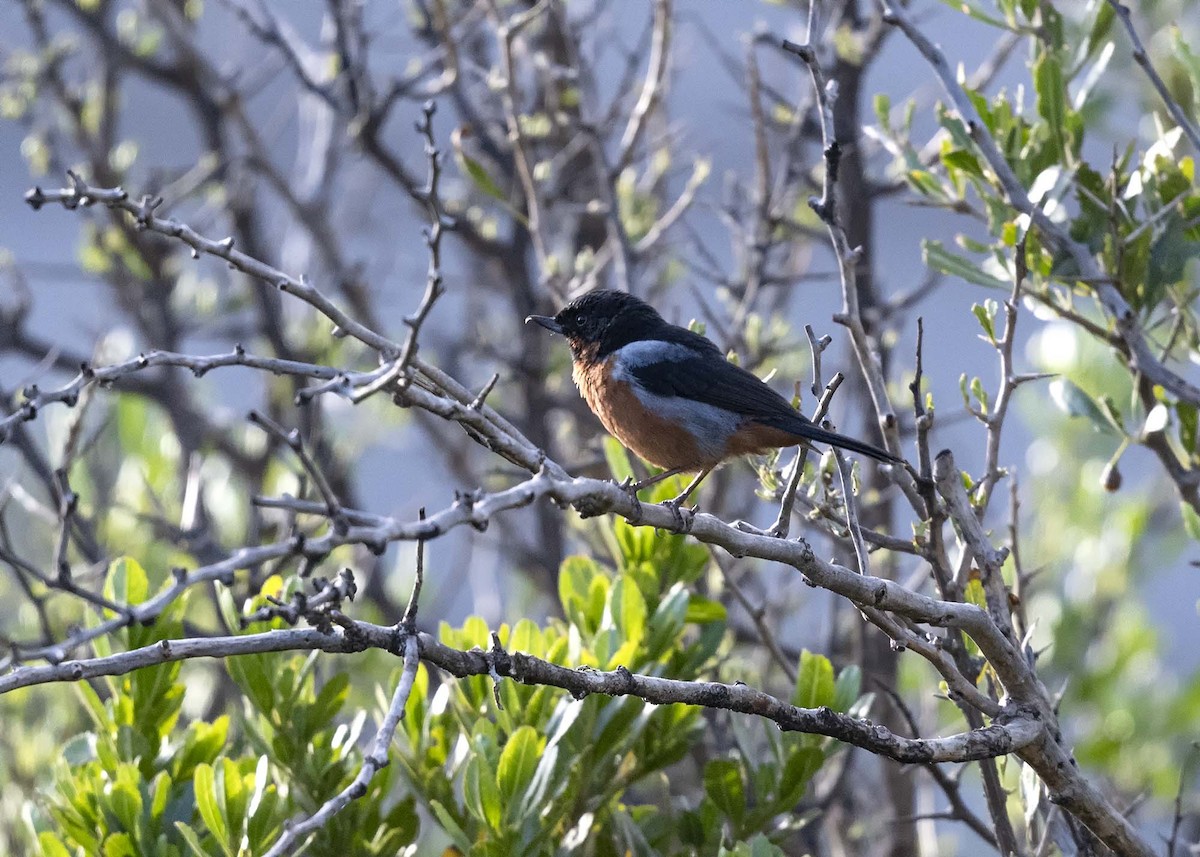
709,425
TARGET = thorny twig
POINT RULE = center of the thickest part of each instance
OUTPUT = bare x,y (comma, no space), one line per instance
783,520
435,287
292,439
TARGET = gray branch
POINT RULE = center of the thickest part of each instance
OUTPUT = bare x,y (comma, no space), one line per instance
1008,733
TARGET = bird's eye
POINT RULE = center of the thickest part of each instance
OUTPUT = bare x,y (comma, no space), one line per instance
580,320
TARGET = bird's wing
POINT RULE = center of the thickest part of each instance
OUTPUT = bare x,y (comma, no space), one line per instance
675,369
678,369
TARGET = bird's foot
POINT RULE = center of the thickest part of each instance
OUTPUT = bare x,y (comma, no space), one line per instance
631,488
684,517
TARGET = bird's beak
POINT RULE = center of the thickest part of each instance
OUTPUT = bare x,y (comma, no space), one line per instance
546,321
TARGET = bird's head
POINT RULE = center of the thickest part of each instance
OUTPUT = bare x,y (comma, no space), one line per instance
601,321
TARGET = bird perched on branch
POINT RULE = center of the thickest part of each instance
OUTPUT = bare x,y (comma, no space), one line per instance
669,395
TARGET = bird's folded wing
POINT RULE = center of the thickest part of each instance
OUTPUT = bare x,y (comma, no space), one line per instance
672,370
712,381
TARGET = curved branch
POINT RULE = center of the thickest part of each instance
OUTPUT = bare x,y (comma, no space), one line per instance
1006,734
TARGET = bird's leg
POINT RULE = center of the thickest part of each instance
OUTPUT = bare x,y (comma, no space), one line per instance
634,487
675,504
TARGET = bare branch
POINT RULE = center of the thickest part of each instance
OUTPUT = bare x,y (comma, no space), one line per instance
1143,59
652,86
80,193
292,439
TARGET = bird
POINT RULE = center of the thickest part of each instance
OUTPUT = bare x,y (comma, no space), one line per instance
669,395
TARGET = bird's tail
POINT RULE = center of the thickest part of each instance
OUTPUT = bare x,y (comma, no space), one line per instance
810,431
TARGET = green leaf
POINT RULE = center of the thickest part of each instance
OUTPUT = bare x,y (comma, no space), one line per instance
207,802
518,761
119,845
926,183
192,839
234,794
575,579
799,769
724,786
127,582
937,257
479,176
527,637
126,800
975,12
52,846
1170,253
452,828
259,813
974,593
980,394
228,607
667,622
1048,83
985,313
202,742
1191,521
847,688
160,794
760,846
1188,425
329,701
1112,413
702,611
480,781
814,682
1101,27
628,609
883,110
1189,59
963,161
1076,403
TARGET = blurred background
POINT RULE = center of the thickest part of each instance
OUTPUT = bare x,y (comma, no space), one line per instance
673,149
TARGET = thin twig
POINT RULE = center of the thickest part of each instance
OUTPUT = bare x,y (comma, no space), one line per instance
293,440
435,286
1143,59
783,520
294,835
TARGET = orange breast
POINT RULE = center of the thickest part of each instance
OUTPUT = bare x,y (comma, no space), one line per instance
657,440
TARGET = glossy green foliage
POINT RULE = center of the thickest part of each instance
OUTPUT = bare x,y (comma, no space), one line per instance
139,783
498,768
1100,523
544,773
1137,212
